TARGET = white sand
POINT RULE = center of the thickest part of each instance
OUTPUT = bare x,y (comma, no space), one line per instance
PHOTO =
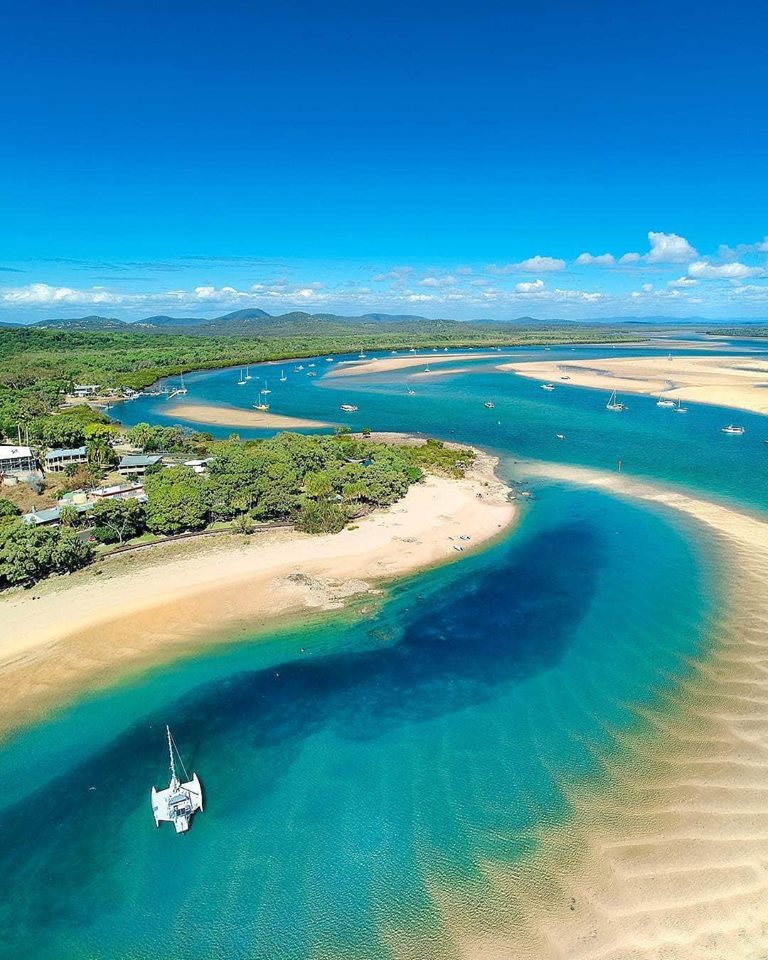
236,416
725,381
356,368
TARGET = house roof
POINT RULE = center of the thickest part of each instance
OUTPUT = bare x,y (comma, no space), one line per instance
61,452
136,460
8,452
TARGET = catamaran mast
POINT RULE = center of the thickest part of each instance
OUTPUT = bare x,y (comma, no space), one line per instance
170,754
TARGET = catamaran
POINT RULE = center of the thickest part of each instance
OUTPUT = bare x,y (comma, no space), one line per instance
178,803
736,431
614,404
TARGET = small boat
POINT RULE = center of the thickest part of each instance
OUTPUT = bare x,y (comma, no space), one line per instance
565,377
180,800
266,389
299,368
411,393
680,408
547,386
665,402
329,359
262,404
459,548
311,373
488,405
614,404
310,364
283,377
427,370
348,408
560,436
735,431
178,391
248,373
241,382
361,355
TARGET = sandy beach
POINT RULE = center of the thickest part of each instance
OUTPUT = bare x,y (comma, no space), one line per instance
667,857
236,417
356,368
725,381
73,634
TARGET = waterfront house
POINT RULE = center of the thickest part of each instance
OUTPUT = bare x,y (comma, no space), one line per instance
85,390
60,458
135,465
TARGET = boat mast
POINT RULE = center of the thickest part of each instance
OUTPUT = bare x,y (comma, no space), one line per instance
170,754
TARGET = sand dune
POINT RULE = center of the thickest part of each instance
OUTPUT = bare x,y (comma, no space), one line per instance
725,381
667,859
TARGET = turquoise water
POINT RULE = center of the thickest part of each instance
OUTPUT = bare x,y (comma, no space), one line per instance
351,765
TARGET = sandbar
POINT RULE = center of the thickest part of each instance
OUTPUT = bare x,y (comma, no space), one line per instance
356,368
236,417
724,381
69,636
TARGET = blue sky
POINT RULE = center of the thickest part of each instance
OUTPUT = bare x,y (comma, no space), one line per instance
455,160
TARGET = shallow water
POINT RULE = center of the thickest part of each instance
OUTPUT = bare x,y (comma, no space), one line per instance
352,767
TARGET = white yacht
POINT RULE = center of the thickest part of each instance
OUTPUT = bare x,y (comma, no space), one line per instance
614,403
736,431
680,408
178,391
180,800
665,402
488,405
348,408
548,386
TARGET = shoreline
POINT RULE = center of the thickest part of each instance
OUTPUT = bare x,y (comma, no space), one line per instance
665,855
71,636
740,383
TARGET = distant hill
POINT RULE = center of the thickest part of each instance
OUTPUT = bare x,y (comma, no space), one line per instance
82,323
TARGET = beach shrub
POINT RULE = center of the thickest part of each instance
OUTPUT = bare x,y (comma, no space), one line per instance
318,516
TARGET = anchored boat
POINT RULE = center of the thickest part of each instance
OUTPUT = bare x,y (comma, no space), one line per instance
181,800
349,408
736,431
614,404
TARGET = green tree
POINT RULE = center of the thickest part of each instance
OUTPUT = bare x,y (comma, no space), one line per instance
321,517
68,516
318,485
8,511
177,500
117,520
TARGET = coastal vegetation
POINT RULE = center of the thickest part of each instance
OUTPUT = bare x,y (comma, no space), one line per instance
316,482
38,366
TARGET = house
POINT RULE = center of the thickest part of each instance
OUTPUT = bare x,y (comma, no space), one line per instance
85,389
120,491
57,460
135,465
15,459
199,466
51,516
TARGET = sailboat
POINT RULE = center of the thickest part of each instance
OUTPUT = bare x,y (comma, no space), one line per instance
283,377
178,391
241,381
262,404
665,402
548,386
178,803
680,408
614,404
248,373
266,388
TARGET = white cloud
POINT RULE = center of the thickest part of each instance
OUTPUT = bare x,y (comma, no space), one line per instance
682,282
537,264
601,260
529,287
724,271
669,248
437,281
629,258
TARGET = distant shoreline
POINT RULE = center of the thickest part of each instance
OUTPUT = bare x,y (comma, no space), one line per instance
70,636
